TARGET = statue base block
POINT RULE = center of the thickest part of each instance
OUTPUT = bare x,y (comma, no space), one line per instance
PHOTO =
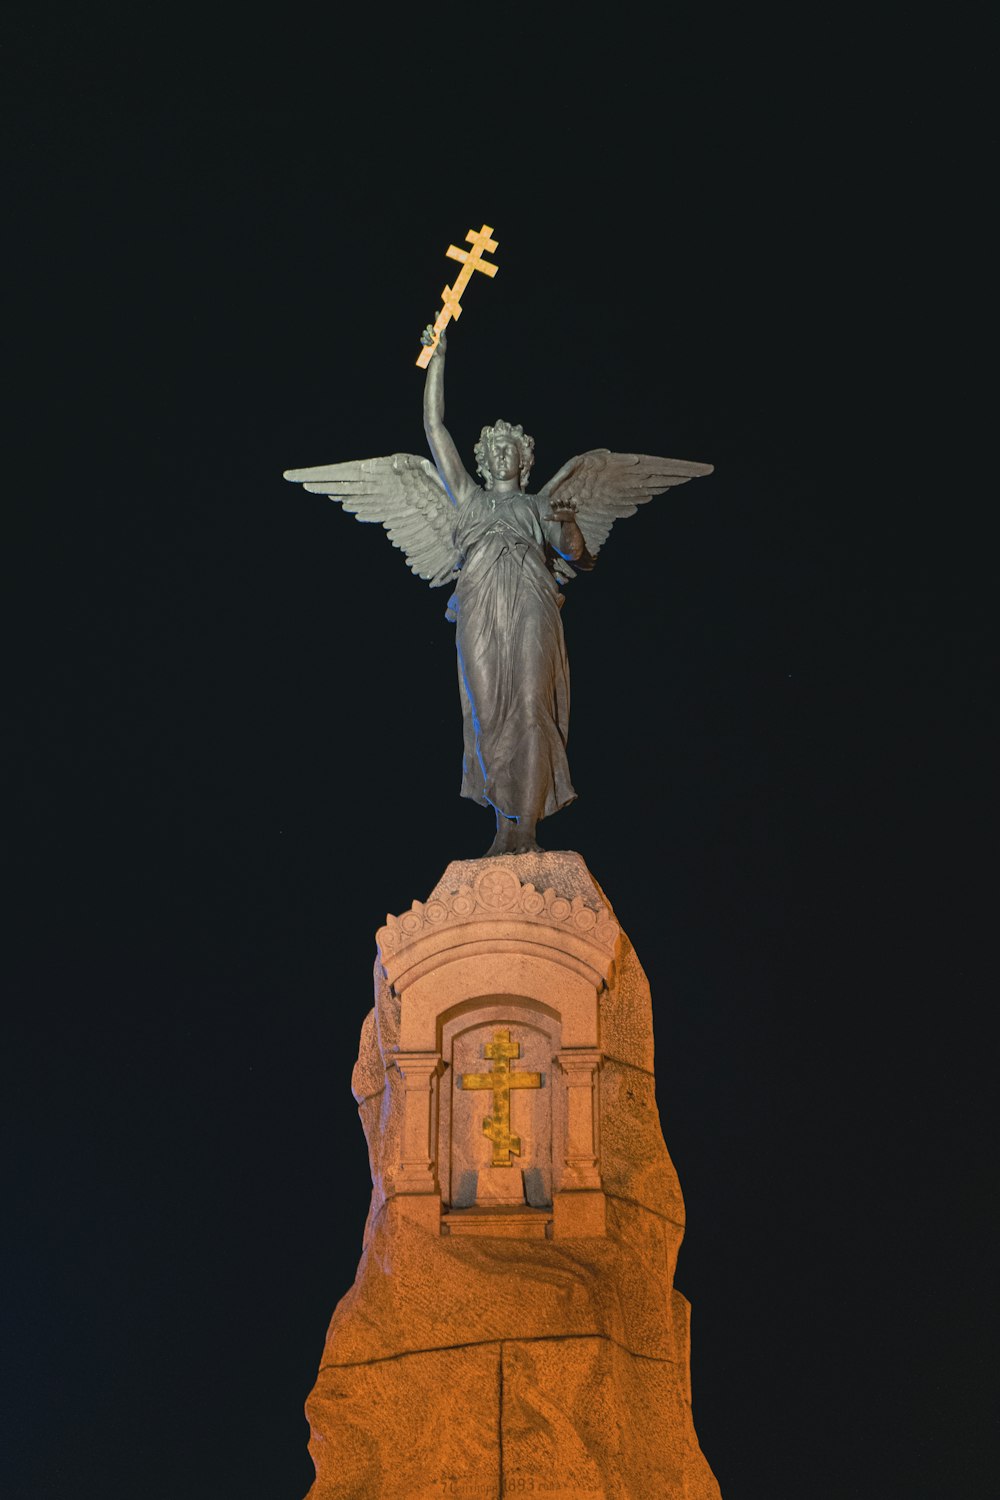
579,1213
499,1187
420,1208
533,1343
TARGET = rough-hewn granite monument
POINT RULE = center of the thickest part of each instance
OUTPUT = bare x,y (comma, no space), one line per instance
513,1327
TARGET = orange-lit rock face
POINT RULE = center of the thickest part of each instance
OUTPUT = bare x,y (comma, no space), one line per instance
513,1326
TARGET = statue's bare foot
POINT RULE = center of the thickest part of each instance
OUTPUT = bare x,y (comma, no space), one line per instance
524,842
505,841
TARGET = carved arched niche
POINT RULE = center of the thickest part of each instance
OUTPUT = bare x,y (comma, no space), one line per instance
467,1154
498,957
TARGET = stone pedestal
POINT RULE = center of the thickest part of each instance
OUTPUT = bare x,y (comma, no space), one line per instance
513,1326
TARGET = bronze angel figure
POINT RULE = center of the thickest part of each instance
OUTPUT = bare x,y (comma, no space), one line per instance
507,552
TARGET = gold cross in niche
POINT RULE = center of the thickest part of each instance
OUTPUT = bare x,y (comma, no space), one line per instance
496,1126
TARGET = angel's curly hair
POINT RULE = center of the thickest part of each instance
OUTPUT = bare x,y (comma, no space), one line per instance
525,447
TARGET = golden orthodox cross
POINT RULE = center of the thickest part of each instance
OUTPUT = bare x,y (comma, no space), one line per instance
496,1126
472,260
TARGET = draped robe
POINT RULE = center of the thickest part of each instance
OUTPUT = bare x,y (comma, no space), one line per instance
512,667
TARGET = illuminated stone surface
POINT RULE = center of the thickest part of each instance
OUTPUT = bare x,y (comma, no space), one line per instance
511,1329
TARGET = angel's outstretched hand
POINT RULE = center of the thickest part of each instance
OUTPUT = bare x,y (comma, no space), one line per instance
561,513
427,337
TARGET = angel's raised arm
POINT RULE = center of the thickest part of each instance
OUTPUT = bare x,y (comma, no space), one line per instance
454,476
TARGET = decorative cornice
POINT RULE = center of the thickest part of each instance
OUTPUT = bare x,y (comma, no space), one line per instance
497,894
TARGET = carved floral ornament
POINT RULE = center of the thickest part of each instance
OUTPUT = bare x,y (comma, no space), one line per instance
499,894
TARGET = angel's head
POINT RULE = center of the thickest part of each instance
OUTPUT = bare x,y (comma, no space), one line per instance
504,452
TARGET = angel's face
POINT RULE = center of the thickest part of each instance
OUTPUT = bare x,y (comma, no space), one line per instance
505,458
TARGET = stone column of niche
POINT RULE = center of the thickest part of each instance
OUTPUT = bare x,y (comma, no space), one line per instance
417,1192
579,1206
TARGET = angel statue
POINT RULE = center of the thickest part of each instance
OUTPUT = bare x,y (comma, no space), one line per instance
507,552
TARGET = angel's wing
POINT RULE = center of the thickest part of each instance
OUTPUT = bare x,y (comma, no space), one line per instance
404,494
604,486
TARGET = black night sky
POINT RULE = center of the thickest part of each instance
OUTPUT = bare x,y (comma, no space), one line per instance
235,725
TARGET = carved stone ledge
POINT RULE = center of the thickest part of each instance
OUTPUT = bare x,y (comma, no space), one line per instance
497,893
